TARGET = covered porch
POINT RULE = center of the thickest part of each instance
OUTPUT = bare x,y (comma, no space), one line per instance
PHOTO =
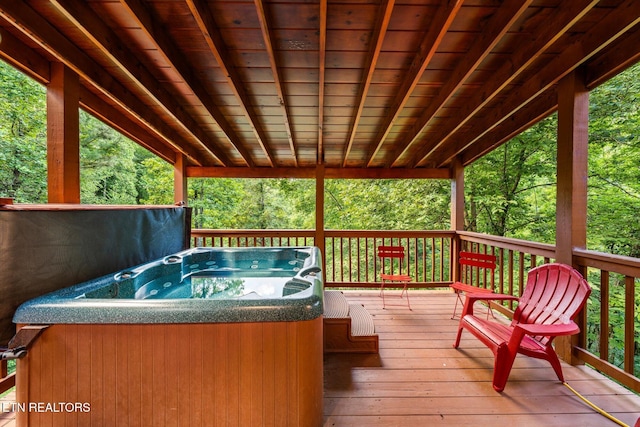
379,90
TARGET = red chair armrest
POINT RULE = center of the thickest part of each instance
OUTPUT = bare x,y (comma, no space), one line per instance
486,296
550,330
483,296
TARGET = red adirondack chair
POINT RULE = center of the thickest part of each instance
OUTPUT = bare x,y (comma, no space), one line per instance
553,295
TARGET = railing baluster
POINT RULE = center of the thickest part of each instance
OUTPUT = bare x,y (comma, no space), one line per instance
629,324
604,315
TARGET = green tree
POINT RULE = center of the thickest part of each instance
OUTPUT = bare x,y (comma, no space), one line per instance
511,191
107,164
614,174
23,139
387,204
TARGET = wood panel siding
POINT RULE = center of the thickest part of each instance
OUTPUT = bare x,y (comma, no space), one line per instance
244,374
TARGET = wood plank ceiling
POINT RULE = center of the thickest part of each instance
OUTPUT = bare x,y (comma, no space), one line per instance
395,86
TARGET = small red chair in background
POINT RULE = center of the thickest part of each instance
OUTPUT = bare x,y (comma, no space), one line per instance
473,259
387,255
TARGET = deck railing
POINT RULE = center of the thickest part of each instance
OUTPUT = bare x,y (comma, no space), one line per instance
350,261
350,256
7,380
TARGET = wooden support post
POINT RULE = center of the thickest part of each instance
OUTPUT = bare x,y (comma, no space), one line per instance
457,213
63,135
180,187
319,237
571,203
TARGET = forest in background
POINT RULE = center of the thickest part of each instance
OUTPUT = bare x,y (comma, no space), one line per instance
509,192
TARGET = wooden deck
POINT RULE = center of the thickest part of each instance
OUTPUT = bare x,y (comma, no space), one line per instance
418,379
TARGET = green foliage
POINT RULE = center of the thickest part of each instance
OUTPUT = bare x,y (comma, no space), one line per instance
614,202
23,138
113,169
387,204
511,191
107,164
154,181
614,174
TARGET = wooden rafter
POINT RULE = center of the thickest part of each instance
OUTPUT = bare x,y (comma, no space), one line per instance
110,115
207,25
150,24
614,61
438,28
234,85
491,34
541,108
94,28
596,39
41,32
377,38
23,58
278,80
557,26
310,173
321,79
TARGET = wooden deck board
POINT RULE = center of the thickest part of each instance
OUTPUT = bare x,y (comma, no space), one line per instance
418,378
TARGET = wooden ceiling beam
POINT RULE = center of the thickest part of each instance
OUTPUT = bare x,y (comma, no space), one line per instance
437,29
206,22
560,22
491,33
110,44
310,173
108,114
277,75
625,53
33,64
377,38
538,110
33,26
321,78
150,24
615,24
22,57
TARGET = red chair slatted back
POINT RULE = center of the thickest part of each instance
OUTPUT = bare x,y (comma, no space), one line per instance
553,294
391,252
474,259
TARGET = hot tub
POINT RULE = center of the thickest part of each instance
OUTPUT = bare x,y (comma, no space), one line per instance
207,336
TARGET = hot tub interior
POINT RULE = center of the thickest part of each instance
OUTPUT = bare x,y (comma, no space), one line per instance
216,274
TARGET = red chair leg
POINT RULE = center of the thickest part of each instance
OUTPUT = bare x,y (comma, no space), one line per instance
457,343
502,367
552,357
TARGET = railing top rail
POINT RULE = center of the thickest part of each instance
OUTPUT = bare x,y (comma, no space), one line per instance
206,232
613,263
539,249
389,233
